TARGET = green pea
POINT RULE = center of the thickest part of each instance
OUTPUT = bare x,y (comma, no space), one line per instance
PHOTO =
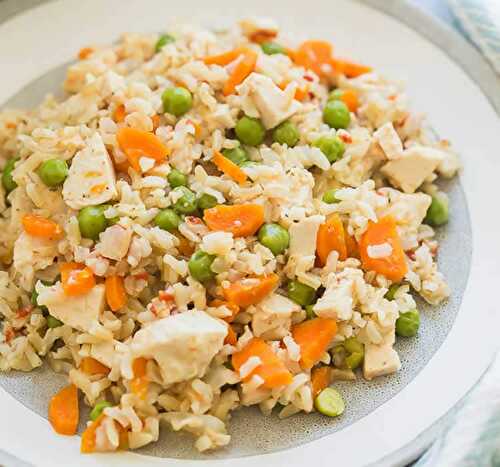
7,181
330,198
392,291
237,155
92,221
96,412
286,133
53,322
206,201
53,172
310,312
329,402
168,220
331,146
199,266
274,237
408,323
356,353
437,214
162,41
301,293
272,48
250,131
177,101
177,178
336,114
335,95
187,203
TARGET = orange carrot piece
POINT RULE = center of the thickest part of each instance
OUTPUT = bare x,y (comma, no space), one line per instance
351,69
39,226
119,114
87,444
225,58
251,290
155,120
231,337
64,412
263,35
76,279
350,98
243,68
242,220
232,307
351,246
140,382
315,55
139,143
331,237
394,266
313,337
320,379
115,292
91,366
229,168
85,52
185,247
300,94
272,370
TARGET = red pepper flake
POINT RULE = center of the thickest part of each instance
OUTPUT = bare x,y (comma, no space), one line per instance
311,95
165,296
392,97
9,334
141,275
194,220
345,137
25,311
308,78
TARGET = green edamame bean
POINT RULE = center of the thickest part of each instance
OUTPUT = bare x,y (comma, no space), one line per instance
187,203
7,181
168,220
330,198
177,178
336,114
92,221
331,146
177,101
286,133
237,155
275,237
437,214
272,48
250,131
356,353
53,172
408,323
329,402
301,293
206,201
199,266
162,41
96,412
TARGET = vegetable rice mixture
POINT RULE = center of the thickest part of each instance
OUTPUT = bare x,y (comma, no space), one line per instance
211,220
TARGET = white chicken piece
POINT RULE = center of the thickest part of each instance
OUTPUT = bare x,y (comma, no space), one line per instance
388,139
381,359
413,168
273,104
114,242
183,344
80,312
273,317
91,178
303,236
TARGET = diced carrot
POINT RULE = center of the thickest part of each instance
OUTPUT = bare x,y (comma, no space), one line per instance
76,279
115,292
64,412
231,337
242,220
91,366
263,35
315,55
232,307
139,143
155,120
185,247
225,58
351,69
85,52
313,337
350,98
331,237
39,226
87,444
119,114
393,266
272,370
351,246
321,378
122,436
251,290
229,168
242,69
140,382
300,94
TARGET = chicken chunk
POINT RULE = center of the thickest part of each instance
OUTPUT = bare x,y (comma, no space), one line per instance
303,236
413,168
183,345
114,242
382,359
388,139
80,312
273,104
273,317
91,178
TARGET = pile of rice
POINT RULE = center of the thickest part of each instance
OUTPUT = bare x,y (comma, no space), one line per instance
289,183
